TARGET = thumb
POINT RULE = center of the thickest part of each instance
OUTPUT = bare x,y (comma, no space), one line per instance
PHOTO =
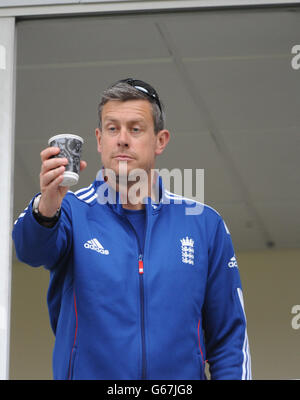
83,165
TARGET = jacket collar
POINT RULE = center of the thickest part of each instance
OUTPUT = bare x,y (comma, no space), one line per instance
107,195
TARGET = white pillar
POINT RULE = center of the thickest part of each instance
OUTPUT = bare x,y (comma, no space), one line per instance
7,116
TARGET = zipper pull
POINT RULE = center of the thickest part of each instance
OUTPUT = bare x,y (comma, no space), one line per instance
141,264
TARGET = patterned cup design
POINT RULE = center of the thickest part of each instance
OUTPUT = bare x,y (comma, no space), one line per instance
70,148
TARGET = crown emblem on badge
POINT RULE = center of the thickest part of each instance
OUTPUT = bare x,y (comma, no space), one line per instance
187,242
187,250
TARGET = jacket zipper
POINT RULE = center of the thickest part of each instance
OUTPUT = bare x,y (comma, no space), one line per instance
142,297
141,264
142,302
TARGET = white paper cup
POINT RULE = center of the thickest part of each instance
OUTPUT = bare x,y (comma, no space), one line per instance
70,147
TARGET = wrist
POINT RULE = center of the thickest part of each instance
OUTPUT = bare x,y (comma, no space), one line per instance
45,220
47,213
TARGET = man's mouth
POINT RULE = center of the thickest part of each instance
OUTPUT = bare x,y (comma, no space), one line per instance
123,157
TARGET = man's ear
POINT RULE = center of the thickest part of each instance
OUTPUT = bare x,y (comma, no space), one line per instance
98,138
162,139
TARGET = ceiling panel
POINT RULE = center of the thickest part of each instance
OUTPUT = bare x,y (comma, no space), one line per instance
194,151
244,230
268,162
233,34
88,39
65,99
249,94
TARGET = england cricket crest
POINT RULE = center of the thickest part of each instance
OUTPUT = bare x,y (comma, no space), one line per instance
187,250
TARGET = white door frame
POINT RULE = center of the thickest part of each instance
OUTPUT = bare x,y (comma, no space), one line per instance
33,8
7,118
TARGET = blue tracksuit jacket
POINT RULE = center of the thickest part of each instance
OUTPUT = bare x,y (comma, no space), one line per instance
120,314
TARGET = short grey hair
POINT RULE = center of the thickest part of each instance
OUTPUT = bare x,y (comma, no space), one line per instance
122,91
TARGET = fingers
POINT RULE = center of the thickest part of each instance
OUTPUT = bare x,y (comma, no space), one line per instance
52,169
49,152
52,163
51,176
47,176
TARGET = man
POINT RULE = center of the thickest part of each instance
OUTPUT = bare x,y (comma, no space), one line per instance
138,289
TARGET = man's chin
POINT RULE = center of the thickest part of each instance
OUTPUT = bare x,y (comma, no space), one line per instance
117,173
123,170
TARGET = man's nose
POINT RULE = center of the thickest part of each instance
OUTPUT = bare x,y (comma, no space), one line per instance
124,137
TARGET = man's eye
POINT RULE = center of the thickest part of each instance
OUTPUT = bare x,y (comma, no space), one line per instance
136,129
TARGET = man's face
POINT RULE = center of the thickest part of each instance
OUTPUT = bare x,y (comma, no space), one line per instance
128,136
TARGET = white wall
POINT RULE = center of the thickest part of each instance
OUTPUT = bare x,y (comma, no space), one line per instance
271,288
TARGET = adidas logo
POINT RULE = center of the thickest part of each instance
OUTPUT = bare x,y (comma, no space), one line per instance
94,244
233,262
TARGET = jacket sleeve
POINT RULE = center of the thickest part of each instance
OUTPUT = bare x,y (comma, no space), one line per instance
224,320
37,245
